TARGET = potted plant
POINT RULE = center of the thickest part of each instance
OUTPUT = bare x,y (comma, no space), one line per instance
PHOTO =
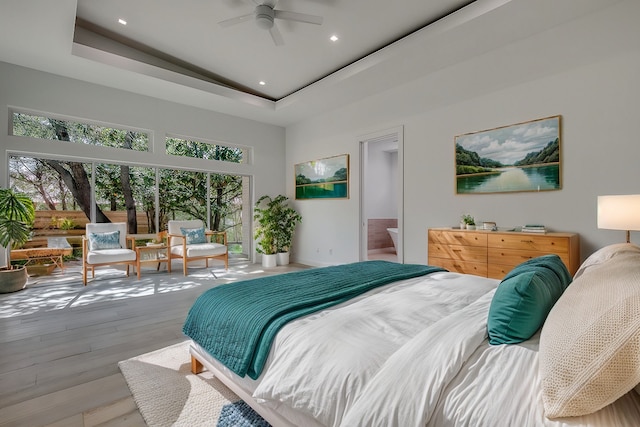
17,214
288,220
468,221
276,222
265,215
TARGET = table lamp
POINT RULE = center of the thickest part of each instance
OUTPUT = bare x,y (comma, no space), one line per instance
619,213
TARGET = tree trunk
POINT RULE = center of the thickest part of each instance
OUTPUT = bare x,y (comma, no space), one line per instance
125,179
76,177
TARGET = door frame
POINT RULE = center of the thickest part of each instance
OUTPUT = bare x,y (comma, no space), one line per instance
373,137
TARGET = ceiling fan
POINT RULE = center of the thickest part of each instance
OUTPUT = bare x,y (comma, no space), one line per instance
265,13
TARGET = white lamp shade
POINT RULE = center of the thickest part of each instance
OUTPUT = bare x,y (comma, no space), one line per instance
619,212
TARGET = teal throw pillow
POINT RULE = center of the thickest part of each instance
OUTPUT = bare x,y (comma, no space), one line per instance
194,235
524,298
108,240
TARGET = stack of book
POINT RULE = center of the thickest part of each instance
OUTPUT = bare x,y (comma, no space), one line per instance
533,228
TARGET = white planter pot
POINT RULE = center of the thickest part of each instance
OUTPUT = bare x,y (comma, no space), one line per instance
269,261
282,258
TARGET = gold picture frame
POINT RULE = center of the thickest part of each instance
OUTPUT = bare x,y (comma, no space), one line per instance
515,158
326,178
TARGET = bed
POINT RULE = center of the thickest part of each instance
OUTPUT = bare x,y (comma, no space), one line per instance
435,348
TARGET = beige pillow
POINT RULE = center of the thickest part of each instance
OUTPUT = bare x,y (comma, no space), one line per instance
604,254
590,342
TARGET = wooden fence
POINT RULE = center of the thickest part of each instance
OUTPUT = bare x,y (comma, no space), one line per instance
45,225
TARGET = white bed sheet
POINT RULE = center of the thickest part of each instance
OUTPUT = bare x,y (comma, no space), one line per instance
320,364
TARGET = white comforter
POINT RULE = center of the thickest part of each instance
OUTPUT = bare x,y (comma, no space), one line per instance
413,354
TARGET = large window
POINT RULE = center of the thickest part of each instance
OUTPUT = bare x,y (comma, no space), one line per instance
68,194
34,126
63,194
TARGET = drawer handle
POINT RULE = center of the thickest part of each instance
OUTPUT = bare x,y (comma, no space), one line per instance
526,241
456,250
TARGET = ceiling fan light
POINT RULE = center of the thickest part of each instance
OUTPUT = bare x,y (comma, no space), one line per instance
264,17
264,21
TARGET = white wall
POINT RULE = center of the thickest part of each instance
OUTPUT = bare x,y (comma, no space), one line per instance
34,90
586,70
382,194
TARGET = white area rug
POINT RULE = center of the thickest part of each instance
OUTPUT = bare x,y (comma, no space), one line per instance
168,394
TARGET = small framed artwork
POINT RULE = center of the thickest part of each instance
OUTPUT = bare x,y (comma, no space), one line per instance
520,157
326,178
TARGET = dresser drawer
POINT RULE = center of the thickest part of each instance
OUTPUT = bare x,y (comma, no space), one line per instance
496,271
545,244
453,237
459,252
513,257
456,266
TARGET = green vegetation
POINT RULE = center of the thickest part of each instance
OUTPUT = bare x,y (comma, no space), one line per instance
549,154
339,175
17,214
275,223
469,162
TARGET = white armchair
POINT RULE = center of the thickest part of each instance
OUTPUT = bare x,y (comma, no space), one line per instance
189,241
105,244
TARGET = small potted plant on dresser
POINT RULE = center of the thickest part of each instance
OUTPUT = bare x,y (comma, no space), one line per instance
17,214
468,222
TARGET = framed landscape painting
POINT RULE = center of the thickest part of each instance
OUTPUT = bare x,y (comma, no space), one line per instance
323,179
519,157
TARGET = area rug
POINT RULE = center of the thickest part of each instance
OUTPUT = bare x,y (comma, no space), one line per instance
168,394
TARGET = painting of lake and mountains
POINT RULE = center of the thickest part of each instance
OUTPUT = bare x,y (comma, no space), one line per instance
520,157
323,179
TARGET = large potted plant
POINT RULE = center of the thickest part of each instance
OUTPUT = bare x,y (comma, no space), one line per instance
265,215
275,224
288,219
17,214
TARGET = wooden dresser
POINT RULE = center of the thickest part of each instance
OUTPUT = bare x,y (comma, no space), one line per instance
494,253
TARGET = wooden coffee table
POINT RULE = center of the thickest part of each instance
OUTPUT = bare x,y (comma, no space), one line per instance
152,253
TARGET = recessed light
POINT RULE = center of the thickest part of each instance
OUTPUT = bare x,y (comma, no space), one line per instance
262,83
334,38
122,21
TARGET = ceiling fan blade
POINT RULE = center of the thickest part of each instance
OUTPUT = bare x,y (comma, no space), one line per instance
299,17
276,36
236,20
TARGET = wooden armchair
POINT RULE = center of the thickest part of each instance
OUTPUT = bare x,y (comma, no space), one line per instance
105,244
189,241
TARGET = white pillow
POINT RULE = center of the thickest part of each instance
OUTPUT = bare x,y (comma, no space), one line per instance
590,342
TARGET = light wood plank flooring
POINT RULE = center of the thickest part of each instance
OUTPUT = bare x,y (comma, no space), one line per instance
60,342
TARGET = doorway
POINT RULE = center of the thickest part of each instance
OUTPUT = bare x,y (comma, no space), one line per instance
382,195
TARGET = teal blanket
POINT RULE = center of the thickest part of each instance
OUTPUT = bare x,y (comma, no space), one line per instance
237,322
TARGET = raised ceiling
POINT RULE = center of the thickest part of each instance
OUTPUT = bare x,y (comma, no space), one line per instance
176,50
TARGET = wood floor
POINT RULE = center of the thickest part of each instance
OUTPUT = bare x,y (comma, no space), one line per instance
60,342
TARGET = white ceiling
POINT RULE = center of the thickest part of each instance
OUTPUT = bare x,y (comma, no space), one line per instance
175,50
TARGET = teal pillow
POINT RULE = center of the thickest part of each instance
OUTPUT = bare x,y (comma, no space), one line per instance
108,240
524,298
194,235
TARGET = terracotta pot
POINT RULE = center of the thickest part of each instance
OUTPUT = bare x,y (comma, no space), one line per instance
12,280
